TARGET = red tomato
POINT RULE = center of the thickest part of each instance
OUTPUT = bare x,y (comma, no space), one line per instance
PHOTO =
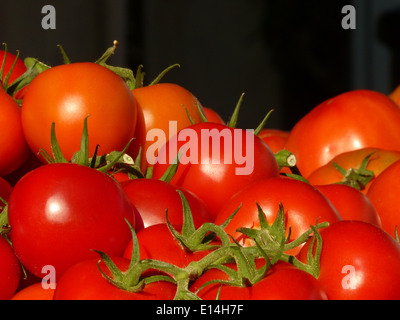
158,105
13,147
351,160
143,192
18,69
68,210
283,282
66,95
157,242
274,138
351,203
10,270
359,261
84,281
218,161
303,205
34,292
352,120
384,195
213,116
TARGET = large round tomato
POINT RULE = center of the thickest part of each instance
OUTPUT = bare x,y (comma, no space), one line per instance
358,261
351,162
349,121
217,161
35,291
303,205
384,195
164,106
83,281
66,95
153,197
13,147
282,282
351,203
10,270
59,213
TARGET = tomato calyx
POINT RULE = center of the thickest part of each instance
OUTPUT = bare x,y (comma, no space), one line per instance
356,178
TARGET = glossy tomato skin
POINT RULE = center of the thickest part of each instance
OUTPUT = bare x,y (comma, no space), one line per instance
214,173
274,138
158,105
35,291
66,95
213,116
303,205
84,281
351,203
68,210
359,261
344,123
152,197
384,195
14,149
283,282
378,161
10,270
157,242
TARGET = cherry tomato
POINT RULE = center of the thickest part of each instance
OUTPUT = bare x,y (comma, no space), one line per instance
352,160
68,210
83,281
352,120
14,149
303,205
282,282
358,261
143,192
10,270
35,291
158,105
66,95
219,161
351,203
383,194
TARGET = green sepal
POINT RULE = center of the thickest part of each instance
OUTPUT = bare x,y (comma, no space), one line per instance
234,118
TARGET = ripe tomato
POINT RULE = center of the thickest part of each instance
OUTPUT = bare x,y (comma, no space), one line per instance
141,193
351,203
282,282
159,104
10,270
18,69
344,123
303,205
68,210
384,195
352,160
13,147
157,242
66,95
274,138
83,281
358,261
34,292
213,116
218,161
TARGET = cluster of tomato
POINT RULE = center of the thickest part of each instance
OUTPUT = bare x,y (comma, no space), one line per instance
87,215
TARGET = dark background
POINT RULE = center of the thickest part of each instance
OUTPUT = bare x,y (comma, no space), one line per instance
284,55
